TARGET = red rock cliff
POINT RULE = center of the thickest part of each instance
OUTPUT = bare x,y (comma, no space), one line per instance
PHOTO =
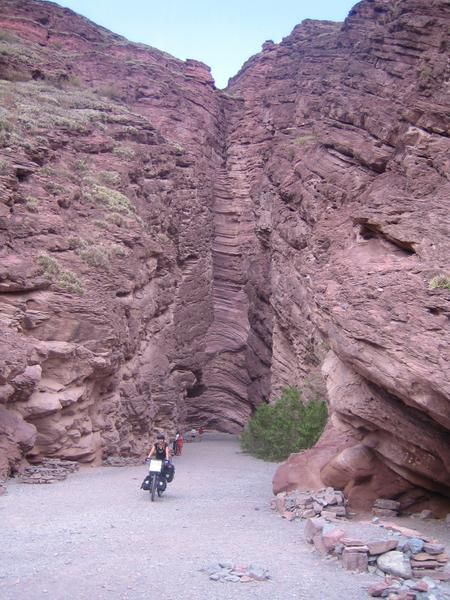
174,254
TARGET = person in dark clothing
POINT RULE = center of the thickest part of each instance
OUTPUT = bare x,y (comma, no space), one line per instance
160,449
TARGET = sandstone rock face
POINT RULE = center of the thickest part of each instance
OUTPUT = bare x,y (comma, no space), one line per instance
174,255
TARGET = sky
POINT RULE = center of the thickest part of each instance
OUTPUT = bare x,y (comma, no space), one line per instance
221,34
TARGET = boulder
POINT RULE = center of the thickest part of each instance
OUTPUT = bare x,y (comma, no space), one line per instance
395,563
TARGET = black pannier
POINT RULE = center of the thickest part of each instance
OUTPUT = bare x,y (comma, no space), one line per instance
169,472
145,485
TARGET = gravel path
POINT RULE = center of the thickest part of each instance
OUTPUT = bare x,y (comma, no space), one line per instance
97,535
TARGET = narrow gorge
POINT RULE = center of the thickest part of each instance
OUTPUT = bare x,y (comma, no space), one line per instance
172,254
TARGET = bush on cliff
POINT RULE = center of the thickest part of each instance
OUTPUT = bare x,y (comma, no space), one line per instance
276,430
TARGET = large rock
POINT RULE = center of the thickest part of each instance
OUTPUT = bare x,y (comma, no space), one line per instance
395,563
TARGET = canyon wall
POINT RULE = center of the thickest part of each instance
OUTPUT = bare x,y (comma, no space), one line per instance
173,254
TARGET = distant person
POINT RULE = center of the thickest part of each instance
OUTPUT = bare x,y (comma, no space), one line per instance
193,434
174,443
179,444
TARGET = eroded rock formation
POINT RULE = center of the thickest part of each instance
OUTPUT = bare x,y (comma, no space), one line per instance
174,254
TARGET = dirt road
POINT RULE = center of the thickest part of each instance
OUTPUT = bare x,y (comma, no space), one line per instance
98,536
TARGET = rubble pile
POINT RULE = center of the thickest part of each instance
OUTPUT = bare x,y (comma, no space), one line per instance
227,570
327,502
400,589
49,471
400,560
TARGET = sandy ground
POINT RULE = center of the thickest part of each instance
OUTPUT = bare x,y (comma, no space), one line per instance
98,536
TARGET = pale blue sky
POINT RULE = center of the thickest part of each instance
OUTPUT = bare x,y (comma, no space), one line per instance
223,34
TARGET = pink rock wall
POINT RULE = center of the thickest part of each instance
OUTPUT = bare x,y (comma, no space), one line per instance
282,232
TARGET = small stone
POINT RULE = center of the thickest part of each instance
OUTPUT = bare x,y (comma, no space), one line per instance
442,558
354,561
312,527
421,586
257,573
381,546
246,579
424,564
338,511
289,515
430,582
422,556
226,564
414,545
214,577
330,516
406,595
433,574
232,578
317,507
434,548
319,544
330,496
352,542
364,549
332,537
309,513
378,590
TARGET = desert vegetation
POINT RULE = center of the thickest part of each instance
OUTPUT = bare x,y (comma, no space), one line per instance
286,426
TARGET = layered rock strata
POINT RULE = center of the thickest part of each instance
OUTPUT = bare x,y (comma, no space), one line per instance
173,254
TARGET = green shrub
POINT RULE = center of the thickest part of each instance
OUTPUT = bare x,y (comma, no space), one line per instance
112,199
70,282
117,219
99,255
124,152
439,281
32,204
302,140
276,430
50,265
110,178
112,91
99,223
96,256
80,165
63,278
8,36
76,242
